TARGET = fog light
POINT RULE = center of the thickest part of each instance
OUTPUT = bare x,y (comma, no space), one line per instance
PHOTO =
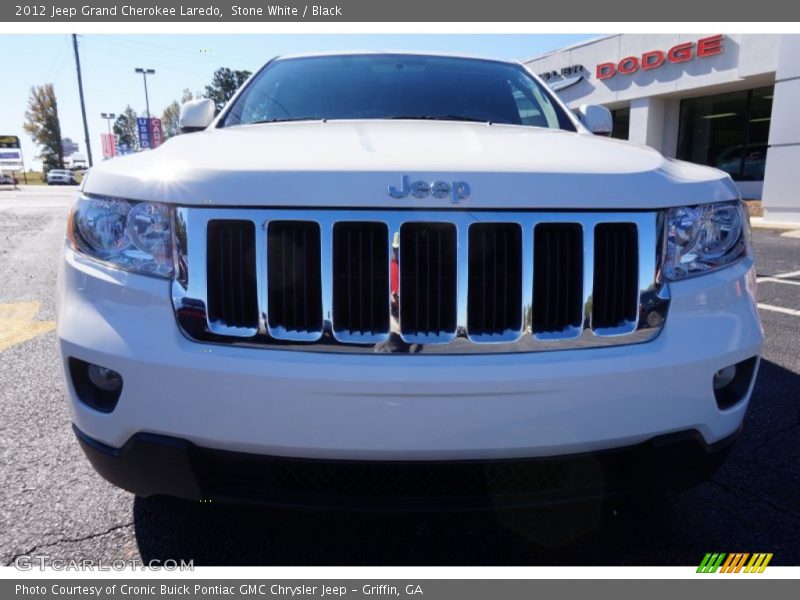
724,376
106,379
97,386
732,383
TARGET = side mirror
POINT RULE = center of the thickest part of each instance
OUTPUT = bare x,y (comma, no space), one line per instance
596,118
196,115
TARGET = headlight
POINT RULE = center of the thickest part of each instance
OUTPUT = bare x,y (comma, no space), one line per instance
135,236
705,238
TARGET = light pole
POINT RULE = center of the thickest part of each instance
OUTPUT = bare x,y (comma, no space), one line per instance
80,92
145,73
108,117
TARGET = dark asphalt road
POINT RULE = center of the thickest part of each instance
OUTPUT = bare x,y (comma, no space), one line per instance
52,502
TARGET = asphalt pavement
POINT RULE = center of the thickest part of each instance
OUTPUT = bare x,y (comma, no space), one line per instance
52,502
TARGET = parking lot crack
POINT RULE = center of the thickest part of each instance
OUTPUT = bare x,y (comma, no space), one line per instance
91,536
750,496
773,434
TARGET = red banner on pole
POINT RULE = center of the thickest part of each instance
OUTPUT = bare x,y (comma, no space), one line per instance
108,142
156,133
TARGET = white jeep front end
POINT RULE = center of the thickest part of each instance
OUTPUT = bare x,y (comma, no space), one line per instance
406,310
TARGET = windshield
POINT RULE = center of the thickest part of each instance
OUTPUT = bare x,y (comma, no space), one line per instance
395,87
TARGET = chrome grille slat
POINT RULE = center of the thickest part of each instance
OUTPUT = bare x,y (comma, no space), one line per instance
428,255
558,285
360,308
190,289
294,287
232,301
615,289
495,285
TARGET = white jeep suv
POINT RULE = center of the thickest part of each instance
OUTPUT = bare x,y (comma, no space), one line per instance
405,280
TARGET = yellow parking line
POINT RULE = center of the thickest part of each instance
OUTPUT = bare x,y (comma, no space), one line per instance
17,323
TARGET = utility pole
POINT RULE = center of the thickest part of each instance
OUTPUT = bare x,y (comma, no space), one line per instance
83,104
145,73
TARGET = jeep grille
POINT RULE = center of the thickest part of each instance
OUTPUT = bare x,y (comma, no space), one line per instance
418,281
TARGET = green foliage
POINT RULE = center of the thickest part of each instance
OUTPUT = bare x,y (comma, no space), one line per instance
125,128
224,85
169,119
41,123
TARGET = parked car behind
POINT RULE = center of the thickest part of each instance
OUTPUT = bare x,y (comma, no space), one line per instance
61,176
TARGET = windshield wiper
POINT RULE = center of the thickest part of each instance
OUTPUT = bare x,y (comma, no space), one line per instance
398,117
284,120
439,118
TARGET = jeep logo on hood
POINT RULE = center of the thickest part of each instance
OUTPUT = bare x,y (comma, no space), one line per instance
456,190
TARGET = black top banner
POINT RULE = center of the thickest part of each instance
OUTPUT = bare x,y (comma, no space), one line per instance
400,11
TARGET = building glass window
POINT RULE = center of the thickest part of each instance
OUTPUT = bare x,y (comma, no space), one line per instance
621,118
727,131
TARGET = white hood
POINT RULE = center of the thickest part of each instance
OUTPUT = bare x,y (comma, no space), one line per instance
351,164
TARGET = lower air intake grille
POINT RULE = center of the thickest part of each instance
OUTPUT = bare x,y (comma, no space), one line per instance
293,274
428,278
616,280
494,301
361,278
557,277
231,269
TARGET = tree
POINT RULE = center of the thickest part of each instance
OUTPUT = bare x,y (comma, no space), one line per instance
41,123
171,115
224,85
126,129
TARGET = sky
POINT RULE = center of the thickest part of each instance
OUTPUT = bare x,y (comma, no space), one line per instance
187,61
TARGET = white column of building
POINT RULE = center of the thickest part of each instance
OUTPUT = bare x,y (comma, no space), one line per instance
781,198
647,122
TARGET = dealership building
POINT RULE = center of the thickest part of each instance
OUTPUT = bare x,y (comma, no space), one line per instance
729,101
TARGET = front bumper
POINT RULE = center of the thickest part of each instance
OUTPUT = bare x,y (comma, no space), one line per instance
403,407
152,464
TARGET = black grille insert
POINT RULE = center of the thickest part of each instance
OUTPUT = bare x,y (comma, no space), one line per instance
361,278
428,278
293,276
250,477
615,298
494,300
231,273
557,277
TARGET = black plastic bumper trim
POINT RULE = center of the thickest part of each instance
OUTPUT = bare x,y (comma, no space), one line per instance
149,464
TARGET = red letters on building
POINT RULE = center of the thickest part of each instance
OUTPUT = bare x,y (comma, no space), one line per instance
679,53
709,46
652,60
606,70
628,65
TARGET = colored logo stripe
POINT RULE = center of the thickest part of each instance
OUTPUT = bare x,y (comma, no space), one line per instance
711,563
734,562
758,563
